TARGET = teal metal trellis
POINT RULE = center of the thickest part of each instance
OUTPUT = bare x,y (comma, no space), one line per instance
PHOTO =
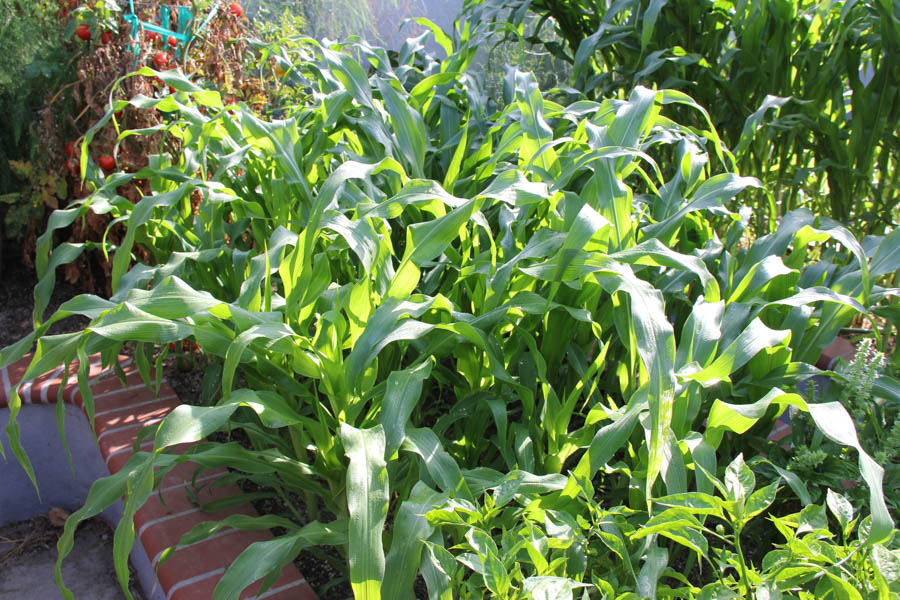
182,33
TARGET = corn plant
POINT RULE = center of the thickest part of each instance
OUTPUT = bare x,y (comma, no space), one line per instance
815,78
505,330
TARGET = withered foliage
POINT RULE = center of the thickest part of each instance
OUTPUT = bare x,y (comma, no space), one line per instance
213,59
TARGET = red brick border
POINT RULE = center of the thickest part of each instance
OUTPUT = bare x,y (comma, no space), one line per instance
119,412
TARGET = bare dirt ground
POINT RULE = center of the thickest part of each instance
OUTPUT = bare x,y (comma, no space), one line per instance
28,559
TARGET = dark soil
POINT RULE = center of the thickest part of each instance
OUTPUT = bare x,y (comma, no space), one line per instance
17,302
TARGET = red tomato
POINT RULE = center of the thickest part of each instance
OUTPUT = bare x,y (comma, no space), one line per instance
70,149
160,59
153,36
172,41
73,4
107,162
236,9
105,37
171,345
84,32
196,347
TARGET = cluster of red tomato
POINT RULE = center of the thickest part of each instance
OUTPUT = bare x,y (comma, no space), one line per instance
106,162
186,346
84,32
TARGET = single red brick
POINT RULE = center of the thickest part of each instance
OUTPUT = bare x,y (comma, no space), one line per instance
183,474
139,415
177,500
200,558
116,460
289,586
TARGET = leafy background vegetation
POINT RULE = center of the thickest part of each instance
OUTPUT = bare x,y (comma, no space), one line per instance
817,77
511,341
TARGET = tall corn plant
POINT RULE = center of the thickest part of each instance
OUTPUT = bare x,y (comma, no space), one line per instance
457,318
817,79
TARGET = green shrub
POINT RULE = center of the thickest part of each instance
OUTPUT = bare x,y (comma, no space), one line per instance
32,63
520,336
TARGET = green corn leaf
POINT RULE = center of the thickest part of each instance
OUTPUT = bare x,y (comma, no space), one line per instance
408,127
751,341
410,530
127,322
655,561
400,397
260,559
754,121
652,252
608,440
649,21
712,193
701,333
440,465
103,494
367,501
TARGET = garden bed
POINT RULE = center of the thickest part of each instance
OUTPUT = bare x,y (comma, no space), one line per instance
526,344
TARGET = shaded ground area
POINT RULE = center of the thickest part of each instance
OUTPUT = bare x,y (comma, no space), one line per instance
17,301
28,559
